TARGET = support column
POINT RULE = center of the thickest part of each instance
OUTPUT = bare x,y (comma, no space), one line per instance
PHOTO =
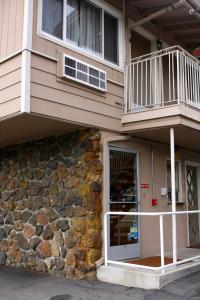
173,194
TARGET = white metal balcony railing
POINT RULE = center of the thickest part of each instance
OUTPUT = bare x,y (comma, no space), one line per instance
163,267
166,77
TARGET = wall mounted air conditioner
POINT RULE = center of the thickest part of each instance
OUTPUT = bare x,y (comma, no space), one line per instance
86,74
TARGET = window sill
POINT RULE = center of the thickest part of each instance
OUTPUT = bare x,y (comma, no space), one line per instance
83,52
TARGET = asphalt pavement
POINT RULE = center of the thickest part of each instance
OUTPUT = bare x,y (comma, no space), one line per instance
17,284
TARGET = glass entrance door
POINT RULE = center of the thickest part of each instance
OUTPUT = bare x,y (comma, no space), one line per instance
123,197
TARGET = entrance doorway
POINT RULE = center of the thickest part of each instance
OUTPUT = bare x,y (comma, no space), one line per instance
193,190
124,233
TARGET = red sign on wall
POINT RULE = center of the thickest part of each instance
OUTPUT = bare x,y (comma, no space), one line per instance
144,185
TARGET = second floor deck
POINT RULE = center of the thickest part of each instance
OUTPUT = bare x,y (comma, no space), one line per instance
161,87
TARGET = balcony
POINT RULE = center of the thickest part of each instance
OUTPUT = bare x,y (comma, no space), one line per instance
162,89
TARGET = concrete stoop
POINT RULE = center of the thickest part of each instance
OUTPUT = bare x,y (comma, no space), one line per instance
146,279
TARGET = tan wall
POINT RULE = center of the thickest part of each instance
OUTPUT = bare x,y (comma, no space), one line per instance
57,97
150,225
10,87
61,98
11,27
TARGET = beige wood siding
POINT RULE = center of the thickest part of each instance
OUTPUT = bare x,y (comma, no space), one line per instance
64,99
61,98
10,86
11,26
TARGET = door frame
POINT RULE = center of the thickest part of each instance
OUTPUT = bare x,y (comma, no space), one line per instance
124,248
192,164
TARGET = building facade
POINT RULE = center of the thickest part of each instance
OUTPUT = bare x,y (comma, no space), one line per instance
90,92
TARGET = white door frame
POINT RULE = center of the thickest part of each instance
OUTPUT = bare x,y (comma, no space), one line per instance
193,164
125,249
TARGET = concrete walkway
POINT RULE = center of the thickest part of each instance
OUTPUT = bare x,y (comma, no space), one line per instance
20,285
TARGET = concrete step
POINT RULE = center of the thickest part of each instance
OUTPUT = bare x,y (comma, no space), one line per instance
146,279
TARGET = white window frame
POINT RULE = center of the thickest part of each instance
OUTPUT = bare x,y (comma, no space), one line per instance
180,191
70,45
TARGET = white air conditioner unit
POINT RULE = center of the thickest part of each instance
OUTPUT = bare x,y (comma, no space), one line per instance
86,74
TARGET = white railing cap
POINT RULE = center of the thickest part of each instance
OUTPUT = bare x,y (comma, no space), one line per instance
162,52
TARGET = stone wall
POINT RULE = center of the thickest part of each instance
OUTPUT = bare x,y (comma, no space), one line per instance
50,204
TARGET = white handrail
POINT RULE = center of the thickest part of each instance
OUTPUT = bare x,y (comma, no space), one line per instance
163,266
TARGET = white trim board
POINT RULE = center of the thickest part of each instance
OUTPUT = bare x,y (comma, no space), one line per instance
26,56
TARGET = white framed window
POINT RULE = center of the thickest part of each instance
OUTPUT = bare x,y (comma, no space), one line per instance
178,180
86,26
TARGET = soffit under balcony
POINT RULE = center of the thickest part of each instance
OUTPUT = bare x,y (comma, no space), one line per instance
177,26
185,137
26,127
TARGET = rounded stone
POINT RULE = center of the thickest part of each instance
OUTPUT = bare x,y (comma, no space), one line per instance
39,229
54,249
34,242
29,231
43,250
45,183
3,258
22,241
32,220
1,220
63,224
9,219
59,238
2,233
78,224
41,218
51,214
48,233
58,263
26,215
18,226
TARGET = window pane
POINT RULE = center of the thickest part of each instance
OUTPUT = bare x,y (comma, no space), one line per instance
110,38
123,176
72,21
52,17
90,27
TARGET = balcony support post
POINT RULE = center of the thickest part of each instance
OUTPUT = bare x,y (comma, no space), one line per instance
173,194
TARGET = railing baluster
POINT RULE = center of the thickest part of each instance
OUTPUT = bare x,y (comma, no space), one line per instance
146,83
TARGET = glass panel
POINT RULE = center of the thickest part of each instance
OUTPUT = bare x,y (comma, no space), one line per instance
123,197
72,21
110,38
123,229
83,22
90,27
123,180
52,17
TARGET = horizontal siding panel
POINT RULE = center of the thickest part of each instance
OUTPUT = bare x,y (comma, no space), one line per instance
10,65
67,86
61,97
10,93
10,108
11,26
10,79
72,114
50,67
